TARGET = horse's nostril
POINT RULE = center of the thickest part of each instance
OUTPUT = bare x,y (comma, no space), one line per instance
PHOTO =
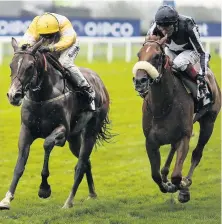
17,96
7,95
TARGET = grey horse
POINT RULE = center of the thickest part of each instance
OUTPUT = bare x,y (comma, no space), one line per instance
55,111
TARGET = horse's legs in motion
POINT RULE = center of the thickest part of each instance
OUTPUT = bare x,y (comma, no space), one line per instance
154,157
87,143
25,140
57,137
206,129
182,148
74,145
165,169
89,177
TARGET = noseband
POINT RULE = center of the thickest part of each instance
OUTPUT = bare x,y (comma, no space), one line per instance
35,76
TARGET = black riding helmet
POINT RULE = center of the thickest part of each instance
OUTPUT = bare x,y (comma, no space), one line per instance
166,16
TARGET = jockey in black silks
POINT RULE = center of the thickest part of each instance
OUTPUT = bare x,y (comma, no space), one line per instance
184,46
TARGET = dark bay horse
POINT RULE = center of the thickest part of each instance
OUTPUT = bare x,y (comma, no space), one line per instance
54,112
168,112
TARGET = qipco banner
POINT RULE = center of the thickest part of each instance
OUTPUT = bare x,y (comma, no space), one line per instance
106,27
83,27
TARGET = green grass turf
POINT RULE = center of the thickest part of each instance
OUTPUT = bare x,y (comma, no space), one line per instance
126,191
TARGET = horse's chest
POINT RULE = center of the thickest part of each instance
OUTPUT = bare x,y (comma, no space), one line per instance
44,120
165,134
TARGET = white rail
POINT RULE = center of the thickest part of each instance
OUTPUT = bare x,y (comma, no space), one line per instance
111,41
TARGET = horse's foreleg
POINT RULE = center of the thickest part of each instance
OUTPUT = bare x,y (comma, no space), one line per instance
182,149
25,140
206,129
57,137
81,167
154,157
165,169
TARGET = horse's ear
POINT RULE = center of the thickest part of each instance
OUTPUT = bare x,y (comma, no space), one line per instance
163,40
14,44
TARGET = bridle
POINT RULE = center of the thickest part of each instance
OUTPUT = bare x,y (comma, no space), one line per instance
160,71
35,75
160,61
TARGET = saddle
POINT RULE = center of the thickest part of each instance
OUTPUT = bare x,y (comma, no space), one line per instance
81,94
191,85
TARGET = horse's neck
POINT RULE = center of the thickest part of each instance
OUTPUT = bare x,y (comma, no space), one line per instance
52,85
161,94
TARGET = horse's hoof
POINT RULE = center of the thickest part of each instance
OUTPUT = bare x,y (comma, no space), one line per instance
171,188
185,183
44,192
92,196
4,205
184,196
65,206
163,189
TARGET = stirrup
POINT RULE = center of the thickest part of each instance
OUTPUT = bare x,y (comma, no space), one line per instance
86,92
206,100
92,105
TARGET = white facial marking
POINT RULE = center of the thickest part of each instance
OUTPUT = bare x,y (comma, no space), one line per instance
19,64
147,49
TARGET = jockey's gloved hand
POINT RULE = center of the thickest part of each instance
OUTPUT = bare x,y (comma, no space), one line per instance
201,81
44,49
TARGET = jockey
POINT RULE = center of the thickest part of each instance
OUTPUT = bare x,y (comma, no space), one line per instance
60,37
183,46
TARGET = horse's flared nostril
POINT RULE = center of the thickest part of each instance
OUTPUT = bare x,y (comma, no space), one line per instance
17,96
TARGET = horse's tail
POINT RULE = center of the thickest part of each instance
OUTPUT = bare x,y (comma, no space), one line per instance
103,133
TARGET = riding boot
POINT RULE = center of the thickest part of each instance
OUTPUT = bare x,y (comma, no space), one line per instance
203,93
78,81
191,72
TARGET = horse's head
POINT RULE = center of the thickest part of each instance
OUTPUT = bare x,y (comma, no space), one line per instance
151,61
23,69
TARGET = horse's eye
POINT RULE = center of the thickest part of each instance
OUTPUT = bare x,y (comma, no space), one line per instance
30,67
143,80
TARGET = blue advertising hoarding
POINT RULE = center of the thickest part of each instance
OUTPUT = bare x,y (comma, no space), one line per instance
206,29
99,27
83,27
209,29
106,27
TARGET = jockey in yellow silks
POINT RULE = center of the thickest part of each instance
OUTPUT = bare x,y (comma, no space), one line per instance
61,38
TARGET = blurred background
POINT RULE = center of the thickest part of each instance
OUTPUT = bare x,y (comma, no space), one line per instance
110,29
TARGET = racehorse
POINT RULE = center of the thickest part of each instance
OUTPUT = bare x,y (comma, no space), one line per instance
168,111
54,111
